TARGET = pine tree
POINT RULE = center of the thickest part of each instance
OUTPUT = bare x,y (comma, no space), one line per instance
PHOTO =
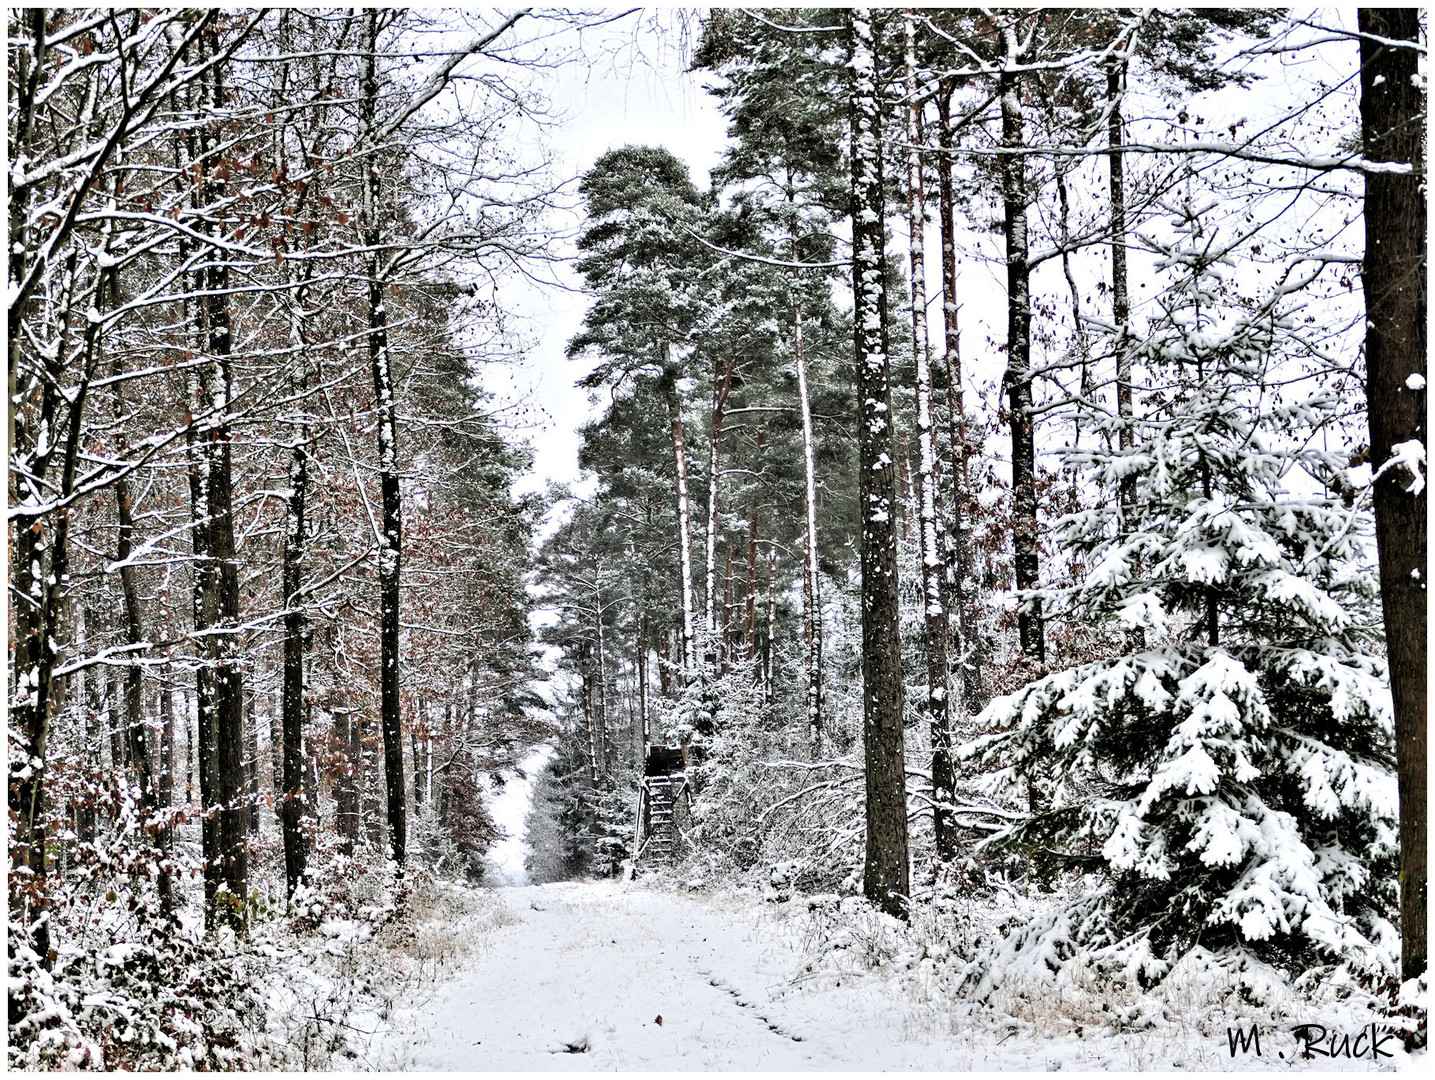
1230,779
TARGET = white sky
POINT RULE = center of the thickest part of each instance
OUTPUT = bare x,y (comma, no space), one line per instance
636,90
633,87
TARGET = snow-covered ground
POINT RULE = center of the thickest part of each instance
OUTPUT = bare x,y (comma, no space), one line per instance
611,976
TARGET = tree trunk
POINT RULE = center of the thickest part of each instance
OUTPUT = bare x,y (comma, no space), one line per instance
812,581
886,881
391,538
749,594
967,694
204,604
726,629
640,654
685,523
166,758
936,625
346,786
1392,111
1120,302
600,711
251,764
769,660
1025,540
721,391
586,691
136,729
293,806
85,816
228,679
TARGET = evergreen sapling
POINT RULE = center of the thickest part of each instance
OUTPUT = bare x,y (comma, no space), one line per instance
1230,777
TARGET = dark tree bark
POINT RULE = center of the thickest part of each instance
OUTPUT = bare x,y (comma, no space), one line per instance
1392,110
1120,302
886,880
223,600
391,537
293,806
1025,540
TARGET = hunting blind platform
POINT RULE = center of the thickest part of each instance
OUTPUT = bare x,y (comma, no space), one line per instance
665,786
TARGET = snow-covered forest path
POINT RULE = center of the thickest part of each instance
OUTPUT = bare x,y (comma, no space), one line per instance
575,976
581,975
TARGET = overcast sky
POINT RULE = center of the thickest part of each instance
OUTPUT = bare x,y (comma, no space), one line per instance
634,89
627,82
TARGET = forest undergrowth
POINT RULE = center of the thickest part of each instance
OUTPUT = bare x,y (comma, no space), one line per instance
927,962
299,994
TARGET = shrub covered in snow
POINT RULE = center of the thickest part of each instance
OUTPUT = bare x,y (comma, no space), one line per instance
1230,775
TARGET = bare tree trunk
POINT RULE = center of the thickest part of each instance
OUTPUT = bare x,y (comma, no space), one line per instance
721,390
769,659
228,679
136,729
586,690
726,629
1392,110
640,654
251,764
293,806
1025,539
749,595
936,624
1120,302
967,693
686,661
886,880
665,659
812,581
601,697
166,759
346,785
391,538
85,816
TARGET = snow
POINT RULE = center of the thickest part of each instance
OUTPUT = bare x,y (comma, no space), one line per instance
1409,455
1415,381
607,976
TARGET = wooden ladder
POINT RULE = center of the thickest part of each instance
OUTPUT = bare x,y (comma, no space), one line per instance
657,817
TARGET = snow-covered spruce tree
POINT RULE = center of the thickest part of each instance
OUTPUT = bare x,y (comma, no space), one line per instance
1231,780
